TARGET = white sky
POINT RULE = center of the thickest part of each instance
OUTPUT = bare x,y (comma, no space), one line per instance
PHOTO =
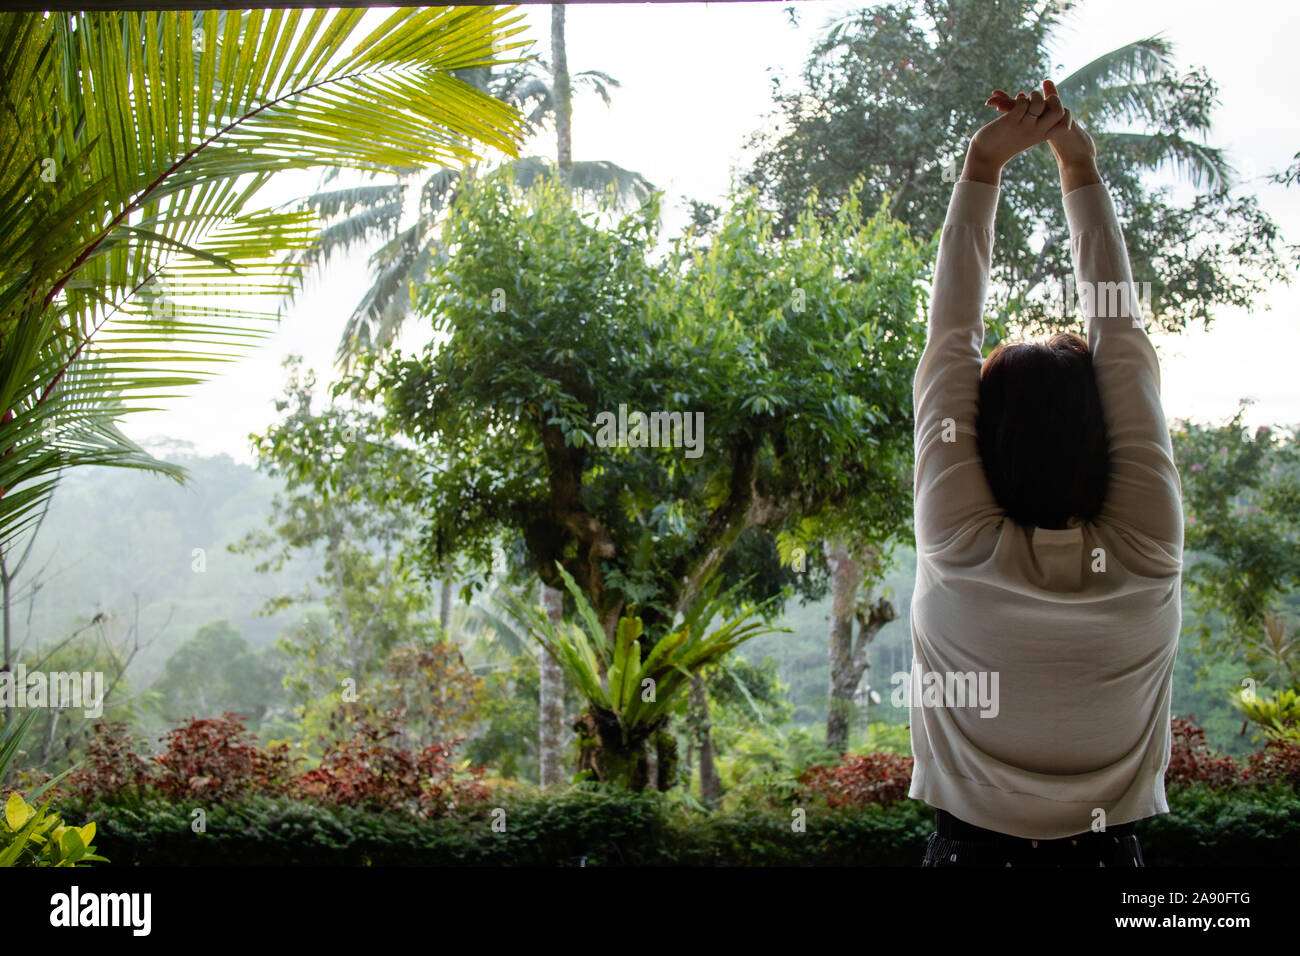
695,83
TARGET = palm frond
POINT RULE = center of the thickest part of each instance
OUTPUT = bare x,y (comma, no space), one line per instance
133,146
1137,61
1205,166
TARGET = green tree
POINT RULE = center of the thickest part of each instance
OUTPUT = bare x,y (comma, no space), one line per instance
1241,495
345,500
892,93
794,351
216,671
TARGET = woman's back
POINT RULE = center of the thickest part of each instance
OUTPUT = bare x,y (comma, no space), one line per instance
1076,628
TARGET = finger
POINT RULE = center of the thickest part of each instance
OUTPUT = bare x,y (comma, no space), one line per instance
1052,114
1061,124
1036,107
1049,88
1021,108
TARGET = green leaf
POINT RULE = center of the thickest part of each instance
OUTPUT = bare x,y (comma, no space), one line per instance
16,811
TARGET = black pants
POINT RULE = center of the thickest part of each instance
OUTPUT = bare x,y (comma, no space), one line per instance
957,843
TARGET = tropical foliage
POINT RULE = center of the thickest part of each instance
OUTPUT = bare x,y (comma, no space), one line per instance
366,716
631,683
37,836
135,145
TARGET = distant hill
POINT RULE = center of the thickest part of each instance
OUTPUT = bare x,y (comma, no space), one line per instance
115,537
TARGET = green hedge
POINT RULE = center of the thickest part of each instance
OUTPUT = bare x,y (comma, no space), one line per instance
1249,827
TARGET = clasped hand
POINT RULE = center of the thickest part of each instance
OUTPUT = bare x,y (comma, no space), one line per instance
1026,121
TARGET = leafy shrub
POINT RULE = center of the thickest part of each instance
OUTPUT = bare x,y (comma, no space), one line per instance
1278,762
218,759
1276,714
1246,827
760,769
1255,826
112,766
32,837
887,738
861,780
366,770
1191,760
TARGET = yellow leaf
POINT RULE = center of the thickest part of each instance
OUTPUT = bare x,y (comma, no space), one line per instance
16,812
87,832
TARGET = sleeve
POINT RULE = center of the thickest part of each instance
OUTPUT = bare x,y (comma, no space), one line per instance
1144,496
950,487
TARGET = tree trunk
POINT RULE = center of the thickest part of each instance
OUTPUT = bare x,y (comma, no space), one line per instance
604,752
550,748
563,94
647,759
664,747
701,732
846,577
850,657
652,762
444,605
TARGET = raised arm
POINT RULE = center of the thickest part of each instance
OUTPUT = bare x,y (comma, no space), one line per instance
1144,496
950,487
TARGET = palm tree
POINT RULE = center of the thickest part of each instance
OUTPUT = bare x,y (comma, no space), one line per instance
360,214
1126,86
132,147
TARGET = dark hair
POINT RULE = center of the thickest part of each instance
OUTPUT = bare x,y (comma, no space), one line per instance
1041,432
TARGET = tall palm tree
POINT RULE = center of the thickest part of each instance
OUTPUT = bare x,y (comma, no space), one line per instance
360,214
132,148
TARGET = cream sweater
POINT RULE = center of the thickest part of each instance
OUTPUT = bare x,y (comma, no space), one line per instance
1072,632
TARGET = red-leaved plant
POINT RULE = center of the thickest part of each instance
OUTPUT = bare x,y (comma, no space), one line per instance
1192,761
367,769
112,766
217,758
861,779
1279,760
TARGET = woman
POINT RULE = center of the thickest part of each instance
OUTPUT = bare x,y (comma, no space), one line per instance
1049,536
